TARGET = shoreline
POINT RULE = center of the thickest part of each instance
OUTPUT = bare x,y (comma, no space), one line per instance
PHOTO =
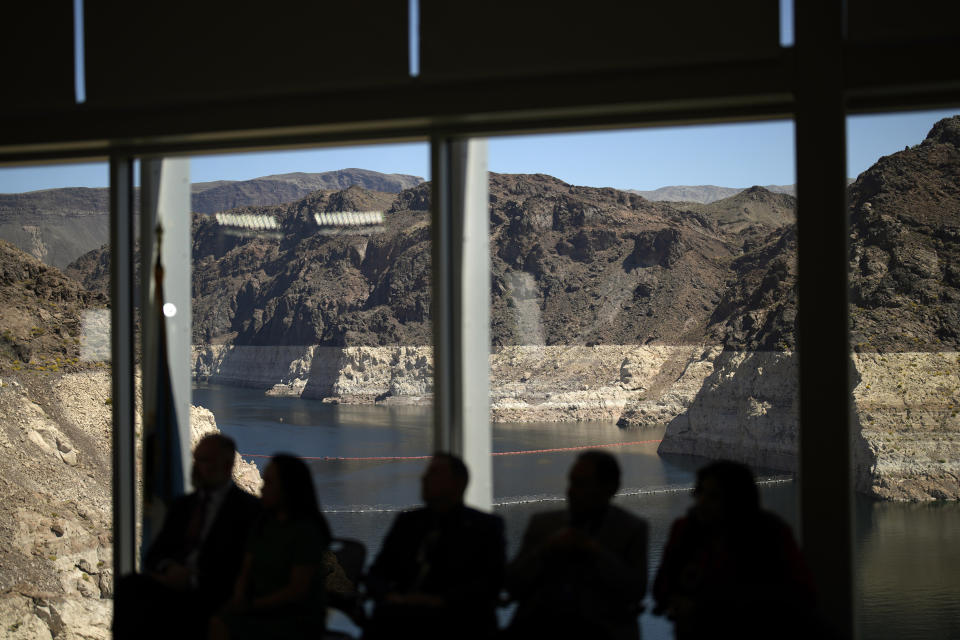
735,404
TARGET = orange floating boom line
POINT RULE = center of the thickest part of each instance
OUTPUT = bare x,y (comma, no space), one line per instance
495,453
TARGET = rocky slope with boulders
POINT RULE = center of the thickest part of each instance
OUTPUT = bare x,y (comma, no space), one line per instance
56,505
47,320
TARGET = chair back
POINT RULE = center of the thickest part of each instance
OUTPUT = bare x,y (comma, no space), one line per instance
350,554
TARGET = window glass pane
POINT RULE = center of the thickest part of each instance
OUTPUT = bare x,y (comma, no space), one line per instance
904,247
643,302
55,403
311,321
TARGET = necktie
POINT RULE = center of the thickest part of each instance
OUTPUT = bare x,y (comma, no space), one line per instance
197,519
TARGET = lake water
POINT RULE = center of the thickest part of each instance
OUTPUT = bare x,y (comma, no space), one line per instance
908,555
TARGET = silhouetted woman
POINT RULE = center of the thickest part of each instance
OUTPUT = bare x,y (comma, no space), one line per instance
279,592
730,568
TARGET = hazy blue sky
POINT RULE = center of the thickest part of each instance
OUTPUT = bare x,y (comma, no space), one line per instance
736,155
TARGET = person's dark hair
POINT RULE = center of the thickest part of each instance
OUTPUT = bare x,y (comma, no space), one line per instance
735,483
605,466
225,444
296,486
457,466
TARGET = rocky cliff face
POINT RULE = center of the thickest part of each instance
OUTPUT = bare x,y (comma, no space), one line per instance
907,405
906,428
745,410
308,288
55,437
642,385
758,307
336,374
905,318
56,505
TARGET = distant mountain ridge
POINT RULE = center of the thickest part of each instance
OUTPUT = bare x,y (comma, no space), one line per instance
704,193
57,226
707,193
211,197
756,205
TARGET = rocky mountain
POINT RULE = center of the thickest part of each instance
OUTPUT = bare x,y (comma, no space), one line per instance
905,247
570,265
904,322
57,226
904,251
576,265
309,288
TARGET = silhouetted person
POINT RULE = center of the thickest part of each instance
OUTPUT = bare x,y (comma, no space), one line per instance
279,592
439,572
731,568
581,571
190,569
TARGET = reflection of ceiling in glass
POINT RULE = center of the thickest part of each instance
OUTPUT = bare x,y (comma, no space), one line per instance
95,336
349,221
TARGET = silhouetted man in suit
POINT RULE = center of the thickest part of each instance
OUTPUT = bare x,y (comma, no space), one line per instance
581,571
439,572
190,569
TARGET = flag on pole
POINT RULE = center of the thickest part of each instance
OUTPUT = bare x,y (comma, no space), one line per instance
162,463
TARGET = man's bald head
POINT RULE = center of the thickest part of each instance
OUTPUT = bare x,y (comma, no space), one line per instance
213,461
444,481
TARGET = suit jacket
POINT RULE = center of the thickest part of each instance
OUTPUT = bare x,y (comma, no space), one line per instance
220,554
459,556
599,587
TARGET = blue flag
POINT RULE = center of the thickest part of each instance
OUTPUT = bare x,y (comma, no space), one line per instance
162,463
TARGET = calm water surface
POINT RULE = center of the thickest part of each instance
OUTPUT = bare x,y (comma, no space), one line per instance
908,555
